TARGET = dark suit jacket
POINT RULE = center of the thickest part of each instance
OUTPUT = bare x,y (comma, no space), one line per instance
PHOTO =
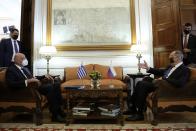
191,57
178,78
6,51
15,79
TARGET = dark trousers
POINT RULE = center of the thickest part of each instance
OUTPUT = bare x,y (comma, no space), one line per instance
141,91
53,95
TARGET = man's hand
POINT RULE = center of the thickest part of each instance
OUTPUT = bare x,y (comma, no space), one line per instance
33,80
186,50
49,78
144,65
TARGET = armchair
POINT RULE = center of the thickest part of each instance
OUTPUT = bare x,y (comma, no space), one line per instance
25,100
168,98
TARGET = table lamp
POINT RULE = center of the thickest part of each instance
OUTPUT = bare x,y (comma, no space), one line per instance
139,49
47,52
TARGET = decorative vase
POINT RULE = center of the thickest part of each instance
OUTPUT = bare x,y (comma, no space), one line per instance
95,83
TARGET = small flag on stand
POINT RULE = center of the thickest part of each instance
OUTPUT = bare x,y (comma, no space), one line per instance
81,72
111,72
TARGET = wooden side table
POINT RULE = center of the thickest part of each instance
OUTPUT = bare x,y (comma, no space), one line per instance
94,95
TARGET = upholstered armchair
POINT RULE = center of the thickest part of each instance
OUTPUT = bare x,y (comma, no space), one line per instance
169,98
25,100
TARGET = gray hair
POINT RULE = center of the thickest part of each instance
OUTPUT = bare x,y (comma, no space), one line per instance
179,54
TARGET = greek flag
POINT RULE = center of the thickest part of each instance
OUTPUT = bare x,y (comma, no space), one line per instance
111,72
81,72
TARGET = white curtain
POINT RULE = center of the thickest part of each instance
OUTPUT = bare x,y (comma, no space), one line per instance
39,30
144,26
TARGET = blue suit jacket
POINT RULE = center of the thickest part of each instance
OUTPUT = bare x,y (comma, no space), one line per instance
15,79
178,78
6,51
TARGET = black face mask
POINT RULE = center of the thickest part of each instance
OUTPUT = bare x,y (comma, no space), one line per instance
15,37
187,31
171,60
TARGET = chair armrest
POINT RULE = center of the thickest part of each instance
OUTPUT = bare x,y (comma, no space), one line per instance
34,90
162,84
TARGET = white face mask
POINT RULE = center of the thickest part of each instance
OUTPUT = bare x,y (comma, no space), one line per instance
25,62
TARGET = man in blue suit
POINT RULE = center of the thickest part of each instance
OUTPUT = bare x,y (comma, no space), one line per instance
9,47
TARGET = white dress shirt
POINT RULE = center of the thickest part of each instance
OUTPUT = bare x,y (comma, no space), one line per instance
174,68
20,68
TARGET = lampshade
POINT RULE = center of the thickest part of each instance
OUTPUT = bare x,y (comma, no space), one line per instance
47,50
138,48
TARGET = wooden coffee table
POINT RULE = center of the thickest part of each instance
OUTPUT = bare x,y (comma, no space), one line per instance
95,96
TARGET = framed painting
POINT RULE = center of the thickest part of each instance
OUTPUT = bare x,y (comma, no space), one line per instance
91,24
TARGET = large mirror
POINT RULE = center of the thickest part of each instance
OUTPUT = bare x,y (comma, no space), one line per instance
91,24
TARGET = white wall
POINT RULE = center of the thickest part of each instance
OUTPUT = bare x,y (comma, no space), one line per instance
123,58
10,14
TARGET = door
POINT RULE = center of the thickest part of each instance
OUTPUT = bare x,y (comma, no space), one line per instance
166,33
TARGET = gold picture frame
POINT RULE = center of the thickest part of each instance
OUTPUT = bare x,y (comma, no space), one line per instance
119,46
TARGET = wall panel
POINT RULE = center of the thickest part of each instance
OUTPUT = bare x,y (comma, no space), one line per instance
165,16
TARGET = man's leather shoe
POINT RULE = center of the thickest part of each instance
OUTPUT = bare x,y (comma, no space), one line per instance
58,118
129,112
135,117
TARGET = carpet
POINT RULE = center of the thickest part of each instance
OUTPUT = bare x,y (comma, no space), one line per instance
97,127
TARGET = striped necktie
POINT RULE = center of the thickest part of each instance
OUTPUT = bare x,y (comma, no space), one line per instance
15,47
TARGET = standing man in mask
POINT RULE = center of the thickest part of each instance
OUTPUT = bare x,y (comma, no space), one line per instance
9,47
189,45
176,74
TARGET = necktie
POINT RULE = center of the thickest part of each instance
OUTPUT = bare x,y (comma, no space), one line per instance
185,41
167,72
15,47
26,72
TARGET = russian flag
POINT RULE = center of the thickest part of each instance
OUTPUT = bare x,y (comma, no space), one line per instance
111,72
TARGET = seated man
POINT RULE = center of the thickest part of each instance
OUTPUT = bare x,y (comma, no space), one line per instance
18,77
176,74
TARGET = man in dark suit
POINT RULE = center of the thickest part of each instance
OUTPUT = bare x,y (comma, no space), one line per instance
9,47
18,77
189,45
176,74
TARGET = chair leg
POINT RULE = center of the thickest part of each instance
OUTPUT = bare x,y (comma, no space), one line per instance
151,108
151,118
154,109
1,110
38,116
